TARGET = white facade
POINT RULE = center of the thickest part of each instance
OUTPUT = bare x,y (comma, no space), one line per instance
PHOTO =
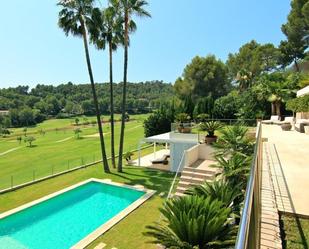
178,142
303,91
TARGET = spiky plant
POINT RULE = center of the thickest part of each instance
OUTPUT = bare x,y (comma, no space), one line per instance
219,189
234,140
210,127
194,222
235,170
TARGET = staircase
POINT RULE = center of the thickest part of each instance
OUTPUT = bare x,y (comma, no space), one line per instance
192,176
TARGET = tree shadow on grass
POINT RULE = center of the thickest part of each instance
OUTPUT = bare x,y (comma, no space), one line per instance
151,179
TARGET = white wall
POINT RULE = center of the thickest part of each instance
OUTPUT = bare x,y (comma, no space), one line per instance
177,150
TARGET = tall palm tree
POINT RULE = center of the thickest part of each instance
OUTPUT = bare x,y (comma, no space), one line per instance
107,31
74,18
129,8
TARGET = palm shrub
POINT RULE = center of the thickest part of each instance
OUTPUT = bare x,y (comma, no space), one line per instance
182,119
194,222
235,171
210,127
219,189
234,139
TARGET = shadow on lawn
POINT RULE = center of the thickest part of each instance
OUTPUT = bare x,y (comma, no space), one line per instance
152,179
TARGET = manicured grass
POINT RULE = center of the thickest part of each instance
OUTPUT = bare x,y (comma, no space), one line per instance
57,151
295,232
126,234
68,122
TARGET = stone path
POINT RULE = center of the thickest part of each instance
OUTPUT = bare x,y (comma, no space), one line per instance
8,151
63,140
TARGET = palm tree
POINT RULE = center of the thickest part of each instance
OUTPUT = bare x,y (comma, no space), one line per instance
235,170
194,222
218,189
234,140
244,79
74,18
107,28
129,8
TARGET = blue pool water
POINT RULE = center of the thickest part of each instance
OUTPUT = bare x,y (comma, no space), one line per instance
62,221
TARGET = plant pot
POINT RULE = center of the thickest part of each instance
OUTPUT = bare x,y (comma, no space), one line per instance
286,127
184,129
258,120
306,128
210,140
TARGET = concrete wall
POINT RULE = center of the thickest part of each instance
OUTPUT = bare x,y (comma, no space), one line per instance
302,115
177,150
206,152
191,155
198,152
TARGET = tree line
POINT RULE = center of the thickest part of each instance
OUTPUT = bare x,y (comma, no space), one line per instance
30,106
255,82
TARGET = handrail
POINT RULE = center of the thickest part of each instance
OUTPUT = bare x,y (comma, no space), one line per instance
250,218
172,185
175,177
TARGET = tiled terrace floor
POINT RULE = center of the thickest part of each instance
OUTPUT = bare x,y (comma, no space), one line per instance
287,154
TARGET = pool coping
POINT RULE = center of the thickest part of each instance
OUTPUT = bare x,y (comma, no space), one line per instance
105,226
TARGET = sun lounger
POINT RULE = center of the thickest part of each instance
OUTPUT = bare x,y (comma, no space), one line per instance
287,120
271,120
162,160
300,123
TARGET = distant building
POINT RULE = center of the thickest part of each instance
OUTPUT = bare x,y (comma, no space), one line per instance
302,92
4,112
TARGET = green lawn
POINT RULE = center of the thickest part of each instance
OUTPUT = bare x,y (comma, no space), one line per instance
296,233
127,234
59,150
56,149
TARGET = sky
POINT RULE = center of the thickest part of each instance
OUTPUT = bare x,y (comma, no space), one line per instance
33,50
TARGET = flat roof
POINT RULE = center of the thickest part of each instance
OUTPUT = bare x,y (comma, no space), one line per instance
172,137
303,91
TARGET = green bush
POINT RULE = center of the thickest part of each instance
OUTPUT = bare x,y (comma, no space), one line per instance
157,123
300,104
194,222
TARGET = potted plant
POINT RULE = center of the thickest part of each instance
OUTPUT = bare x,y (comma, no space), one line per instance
259,116
210,127
203,117
128,156
182,123
286,126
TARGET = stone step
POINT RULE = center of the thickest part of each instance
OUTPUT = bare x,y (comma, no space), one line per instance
187,184
178,194
197,174
181,189
192,179
197,170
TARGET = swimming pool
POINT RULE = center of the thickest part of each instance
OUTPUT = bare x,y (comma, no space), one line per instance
69,218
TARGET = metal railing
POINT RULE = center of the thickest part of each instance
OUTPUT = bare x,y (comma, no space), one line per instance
192,127
31,176
249,231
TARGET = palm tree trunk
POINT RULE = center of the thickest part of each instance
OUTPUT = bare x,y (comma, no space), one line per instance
278,108
124,91
273,108
112,103
296,65
95,99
